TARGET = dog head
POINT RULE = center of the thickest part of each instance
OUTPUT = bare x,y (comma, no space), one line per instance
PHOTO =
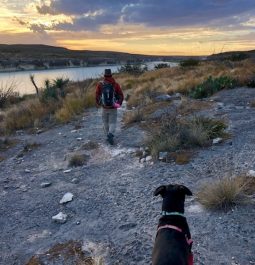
173,197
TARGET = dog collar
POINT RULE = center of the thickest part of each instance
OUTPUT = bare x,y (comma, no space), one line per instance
164,213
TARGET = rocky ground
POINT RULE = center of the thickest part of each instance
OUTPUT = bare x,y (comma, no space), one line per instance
113,212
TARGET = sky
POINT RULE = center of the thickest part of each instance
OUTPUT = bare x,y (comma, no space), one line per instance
170,27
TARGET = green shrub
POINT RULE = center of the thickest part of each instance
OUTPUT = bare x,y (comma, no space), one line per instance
133,69
161,65
211,86
189,63
172,134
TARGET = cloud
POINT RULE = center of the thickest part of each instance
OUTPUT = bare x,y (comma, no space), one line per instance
170,13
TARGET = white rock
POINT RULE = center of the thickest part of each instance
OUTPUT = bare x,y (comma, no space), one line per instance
66,198
67,171
79,139
148,158
217,140
27,171
142,160
251,173
73,131
45,184
60,218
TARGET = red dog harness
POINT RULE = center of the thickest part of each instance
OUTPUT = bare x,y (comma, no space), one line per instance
189,241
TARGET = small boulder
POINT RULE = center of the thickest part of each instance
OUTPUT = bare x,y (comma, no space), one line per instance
162,156
45,184
66,198
148,158
60,218
217,140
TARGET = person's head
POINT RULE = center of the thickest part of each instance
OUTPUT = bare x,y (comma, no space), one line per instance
107,73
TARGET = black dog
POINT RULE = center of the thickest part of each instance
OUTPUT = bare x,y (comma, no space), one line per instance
173,241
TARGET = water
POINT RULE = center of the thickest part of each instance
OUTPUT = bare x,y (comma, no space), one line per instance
22,84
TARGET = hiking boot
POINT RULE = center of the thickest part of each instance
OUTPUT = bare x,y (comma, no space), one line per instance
110,138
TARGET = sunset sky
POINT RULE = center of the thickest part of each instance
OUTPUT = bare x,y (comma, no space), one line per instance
170,27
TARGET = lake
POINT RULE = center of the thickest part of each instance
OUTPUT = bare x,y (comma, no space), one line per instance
23,85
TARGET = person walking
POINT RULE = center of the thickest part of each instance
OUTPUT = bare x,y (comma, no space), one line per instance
109,96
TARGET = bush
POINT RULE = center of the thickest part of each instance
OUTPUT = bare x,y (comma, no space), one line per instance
211,86
78,160
161,66
133,69
172,134
189,63
226,193
7,94
133,116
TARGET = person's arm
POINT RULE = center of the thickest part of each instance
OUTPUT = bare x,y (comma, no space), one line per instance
98,95
118,91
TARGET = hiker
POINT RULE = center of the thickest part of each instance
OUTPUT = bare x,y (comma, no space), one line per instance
109,95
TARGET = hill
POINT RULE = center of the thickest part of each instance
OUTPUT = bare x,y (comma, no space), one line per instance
22,57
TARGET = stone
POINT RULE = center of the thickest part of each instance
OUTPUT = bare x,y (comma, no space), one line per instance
79,139
60,218
251,173
27,170
75,181
45,184
148,158
142,160
66,198
217,140
67,171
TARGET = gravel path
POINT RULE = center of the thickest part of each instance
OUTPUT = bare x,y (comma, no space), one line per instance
113,207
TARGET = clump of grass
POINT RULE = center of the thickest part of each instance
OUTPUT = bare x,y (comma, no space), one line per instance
78,160
226,193
70,252
252,103
1,158
189,62
172,134
90,145
6,143
211,86
24,115
133,116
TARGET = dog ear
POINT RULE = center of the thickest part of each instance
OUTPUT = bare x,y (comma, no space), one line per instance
160,190
185,190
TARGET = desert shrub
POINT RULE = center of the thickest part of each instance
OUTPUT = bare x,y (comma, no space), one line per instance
211,86
189,62
7,94
172,134
133,116
239,56
226,193
133,69
161,65
78,160
26,114
54,90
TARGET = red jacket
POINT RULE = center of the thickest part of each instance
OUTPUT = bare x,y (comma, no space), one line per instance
118,91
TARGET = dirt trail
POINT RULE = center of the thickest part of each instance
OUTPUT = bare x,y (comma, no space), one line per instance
113,206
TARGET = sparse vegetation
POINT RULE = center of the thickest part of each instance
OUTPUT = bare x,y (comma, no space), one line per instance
70,252
211,86
226,193
189,63
78,160
7,94
172,134
161,65
133,69
133,116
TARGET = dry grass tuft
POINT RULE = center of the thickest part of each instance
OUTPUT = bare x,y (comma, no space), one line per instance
252,103
133,116
2,158
90,146
65,253
78,160
226,193
172,134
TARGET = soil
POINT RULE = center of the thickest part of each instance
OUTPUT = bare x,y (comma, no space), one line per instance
113,212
